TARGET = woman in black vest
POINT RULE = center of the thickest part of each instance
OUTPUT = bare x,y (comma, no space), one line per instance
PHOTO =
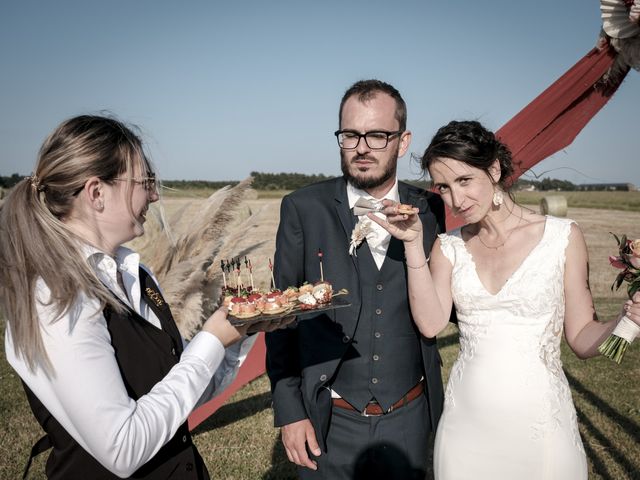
88,331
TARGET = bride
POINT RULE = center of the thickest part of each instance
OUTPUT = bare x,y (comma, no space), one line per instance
516,279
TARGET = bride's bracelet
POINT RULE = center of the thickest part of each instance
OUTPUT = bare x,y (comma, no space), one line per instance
421,266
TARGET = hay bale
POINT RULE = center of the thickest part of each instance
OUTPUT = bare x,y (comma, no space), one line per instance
555,205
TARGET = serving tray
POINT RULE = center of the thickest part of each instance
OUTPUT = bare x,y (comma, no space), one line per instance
336,302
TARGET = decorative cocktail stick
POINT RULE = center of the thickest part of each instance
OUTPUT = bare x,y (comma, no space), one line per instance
239,275
273,281
321,272
232,271
224,277
251,275
246,264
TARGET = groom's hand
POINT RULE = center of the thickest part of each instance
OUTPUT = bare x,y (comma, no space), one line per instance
295,438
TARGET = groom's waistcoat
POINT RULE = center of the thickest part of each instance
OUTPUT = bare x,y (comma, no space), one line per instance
145,354
384,360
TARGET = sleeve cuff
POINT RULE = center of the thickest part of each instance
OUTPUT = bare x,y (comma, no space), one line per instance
208,348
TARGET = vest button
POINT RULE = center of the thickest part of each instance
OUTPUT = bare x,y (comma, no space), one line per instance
374,380
323,377
378,311
184,439
189,466
376,358
173,351
345,339
379,286
377,334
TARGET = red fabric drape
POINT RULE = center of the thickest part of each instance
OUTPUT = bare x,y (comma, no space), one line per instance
252,368
545,126
553,120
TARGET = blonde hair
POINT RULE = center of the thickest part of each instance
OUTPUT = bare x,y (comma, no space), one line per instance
34,241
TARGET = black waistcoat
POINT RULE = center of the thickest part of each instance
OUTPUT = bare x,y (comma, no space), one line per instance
385,360
145,354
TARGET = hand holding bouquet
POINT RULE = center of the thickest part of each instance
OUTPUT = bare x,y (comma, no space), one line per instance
628,261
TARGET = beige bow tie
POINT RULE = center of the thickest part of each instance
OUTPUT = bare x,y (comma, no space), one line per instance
364,206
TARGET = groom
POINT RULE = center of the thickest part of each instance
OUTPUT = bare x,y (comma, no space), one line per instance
362,377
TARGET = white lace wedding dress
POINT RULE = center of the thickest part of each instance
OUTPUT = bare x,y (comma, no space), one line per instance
508,411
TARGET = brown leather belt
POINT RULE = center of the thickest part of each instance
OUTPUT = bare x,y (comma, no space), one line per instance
373,409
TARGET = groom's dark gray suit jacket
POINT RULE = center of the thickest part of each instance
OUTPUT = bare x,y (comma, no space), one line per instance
302,361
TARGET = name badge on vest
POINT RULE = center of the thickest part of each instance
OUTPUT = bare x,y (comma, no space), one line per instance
154,296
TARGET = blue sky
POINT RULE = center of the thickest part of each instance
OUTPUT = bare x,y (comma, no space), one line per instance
221,89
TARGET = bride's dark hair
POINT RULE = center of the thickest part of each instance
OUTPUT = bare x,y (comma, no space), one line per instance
471,143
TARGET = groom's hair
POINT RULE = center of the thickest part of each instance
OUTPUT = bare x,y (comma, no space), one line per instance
368,89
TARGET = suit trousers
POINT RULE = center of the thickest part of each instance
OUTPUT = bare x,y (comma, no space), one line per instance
390,446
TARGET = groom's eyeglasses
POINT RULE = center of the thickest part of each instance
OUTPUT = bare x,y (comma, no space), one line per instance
375,140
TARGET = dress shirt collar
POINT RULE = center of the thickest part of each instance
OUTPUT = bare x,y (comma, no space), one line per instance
123,256
353,194
128,263
378,238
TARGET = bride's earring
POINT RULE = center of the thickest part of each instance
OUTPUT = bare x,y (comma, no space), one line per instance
100,205
497,198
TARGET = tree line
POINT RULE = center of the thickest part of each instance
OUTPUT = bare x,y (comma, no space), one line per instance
293,181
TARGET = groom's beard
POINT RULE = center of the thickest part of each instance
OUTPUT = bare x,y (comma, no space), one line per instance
365,183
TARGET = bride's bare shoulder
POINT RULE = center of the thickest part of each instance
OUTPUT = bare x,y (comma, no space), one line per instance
531,216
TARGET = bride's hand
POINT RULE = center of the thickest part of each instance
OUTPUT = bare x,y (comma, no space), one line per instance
632,308
407,228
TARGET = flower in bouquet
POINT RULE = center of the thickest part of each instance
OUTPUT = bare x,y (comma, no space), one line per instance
359,233
628,262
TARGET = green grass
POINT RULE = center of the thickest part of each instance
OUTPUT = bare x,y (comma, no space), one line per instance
239,441
629,201
187,192
272,193
198,193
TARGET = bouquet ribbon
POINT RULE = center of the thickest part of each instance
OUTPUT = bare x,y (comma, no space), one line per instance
626,329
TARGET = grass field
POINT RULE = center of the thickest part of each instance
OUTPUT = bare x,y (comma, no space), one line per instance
626,201
629,201
239,441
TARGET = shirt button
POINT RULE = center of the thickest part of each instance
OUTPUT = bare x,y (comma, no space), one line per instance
376,358
378,311
377,334
379,286
345,339
374,380
323,377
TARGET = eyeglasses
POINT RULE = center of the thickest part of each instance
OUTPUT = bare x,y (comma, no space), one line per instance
149,183
375,140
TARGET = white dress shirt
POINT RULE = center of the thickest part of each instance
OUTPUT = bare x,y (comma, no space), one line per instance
378,238
86,393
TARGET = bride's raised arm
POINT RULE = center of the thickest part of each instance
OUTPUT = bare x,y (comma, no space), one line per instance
429,279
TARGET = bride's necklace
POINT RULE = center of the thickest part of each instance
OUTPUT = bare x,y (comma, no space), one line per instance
496,247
